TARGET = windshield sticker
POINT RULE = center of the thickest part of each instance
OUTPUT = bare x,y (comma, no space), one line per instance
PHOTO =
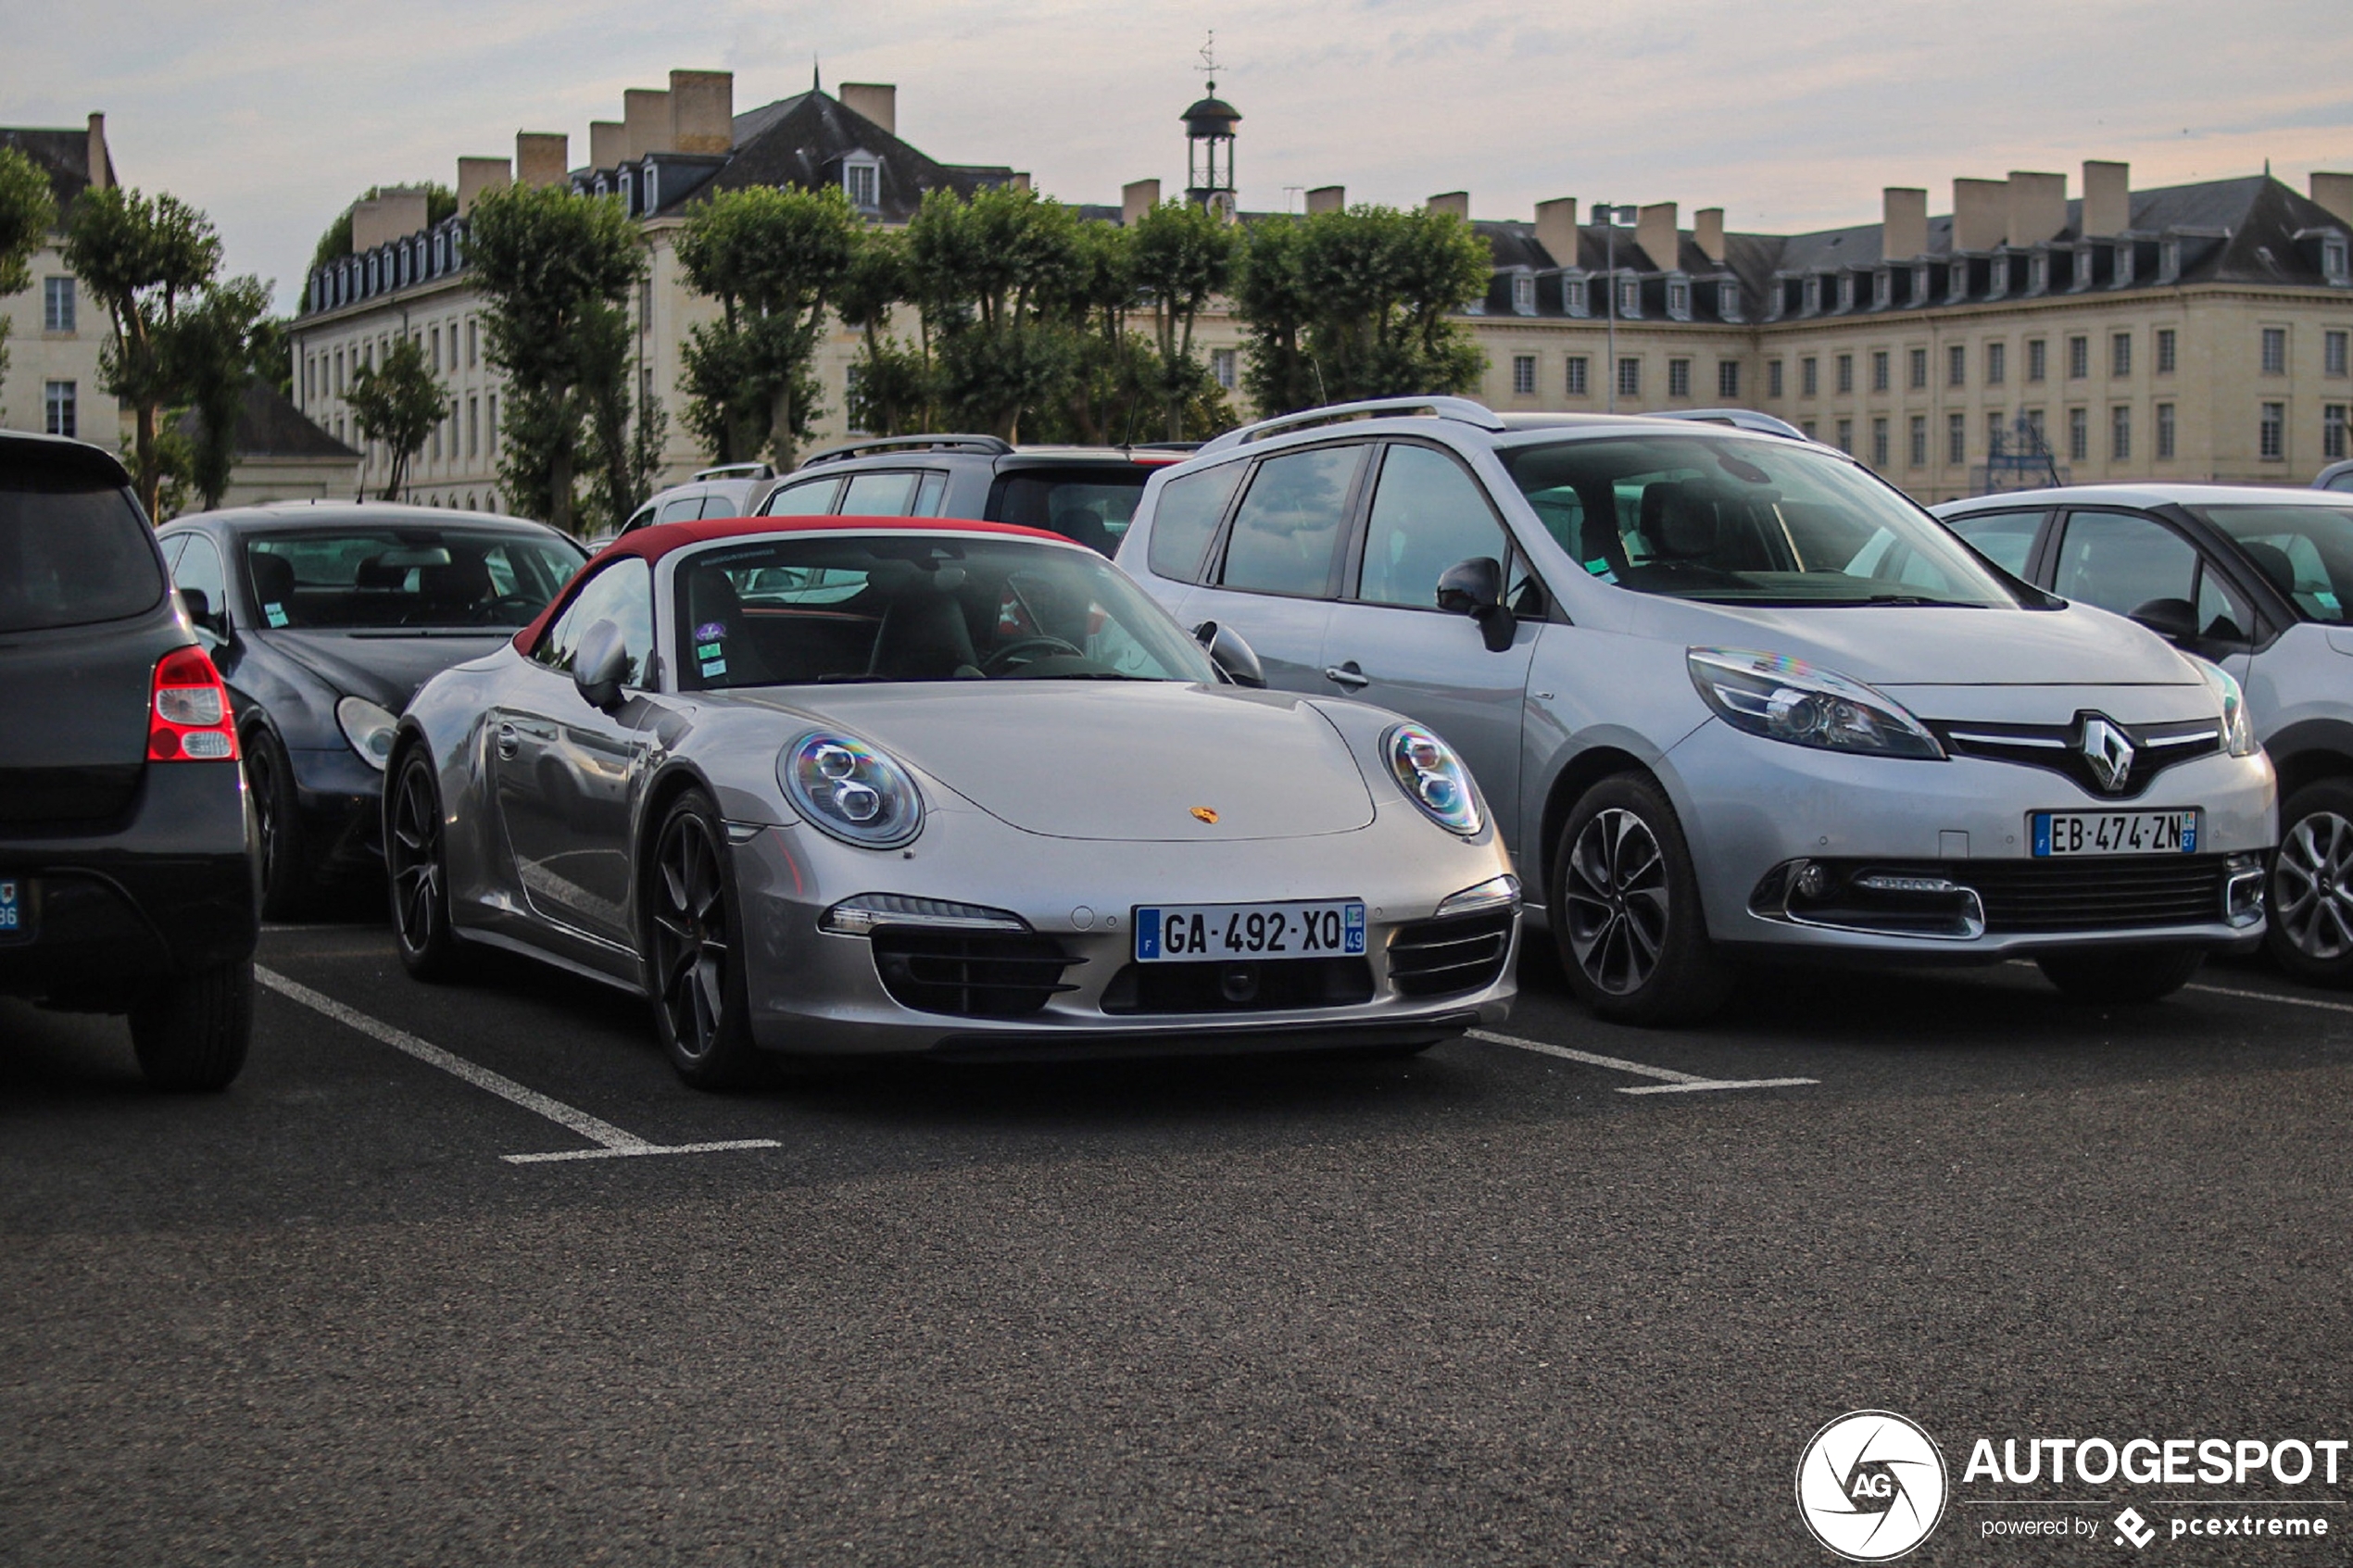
1601,570
709,651
714,667
709,631
276,614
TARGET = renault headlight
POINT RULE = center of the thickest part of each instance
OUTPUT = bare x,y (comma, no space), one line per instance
1786,699
369,728
2238,730
850,790
1426,769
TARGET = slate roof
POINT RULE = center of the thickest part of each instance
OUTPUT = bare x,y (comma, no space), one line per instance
802,141
64,155
270,426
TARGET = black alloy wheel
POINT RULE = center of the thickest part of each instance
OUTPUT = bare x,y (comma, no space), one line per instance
694,948
2311,901
418,864
288,888
1626,909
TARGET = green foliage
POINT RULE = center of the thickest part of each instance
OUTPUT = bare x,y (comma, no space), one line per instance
28,212
209,356
398,402
273,353
441,203
776,260
1182,256
1359,304
558,269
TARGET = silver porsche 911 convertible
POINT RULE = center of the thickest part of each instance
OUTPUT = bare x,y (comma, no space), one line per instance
837,785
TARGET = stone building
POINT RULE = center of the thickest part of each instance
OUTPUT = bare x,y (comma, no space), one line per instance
56,329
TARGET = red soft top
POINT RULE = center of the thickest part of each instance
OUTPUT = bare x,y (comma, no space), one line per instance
657,541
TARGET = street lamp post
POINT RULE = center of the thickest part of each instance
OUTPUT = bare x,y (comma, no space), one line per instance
1611,216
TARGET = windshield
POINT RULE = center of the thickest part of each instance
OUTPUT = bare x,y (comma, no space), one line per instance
403,575
1092,504
73,553
1742,522
2307,552
896,607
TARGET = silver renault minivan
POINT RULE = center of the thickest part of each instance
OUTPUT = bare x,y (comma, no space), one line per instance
1732,697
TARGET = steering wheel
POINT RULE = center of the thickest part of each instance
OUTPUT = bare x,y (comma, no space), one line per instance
1006,657
492,611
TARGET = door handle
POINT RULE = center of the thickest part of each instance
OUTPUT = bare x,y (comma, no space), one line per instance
1347,675
508,741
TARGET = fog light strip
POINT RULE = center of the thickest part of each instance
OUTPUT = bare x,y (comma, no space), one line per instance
1674,1083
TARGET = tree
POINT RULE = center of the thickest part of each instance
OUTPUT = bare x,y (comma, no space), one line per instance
398,402
989,273
28,212
774,261
208,358
140,259
1183,253
1270,295
441,203
890,381
557,270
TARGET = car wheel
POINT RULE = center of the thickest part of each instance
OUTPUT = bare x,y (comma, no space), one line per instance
1626,909
2121,974
694,948
191,1033
417,864
288,889
2311,893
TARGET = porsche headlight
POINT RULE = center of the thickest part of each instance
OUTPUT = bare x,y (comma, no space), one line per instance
1786,699
1426,769
2238,730
369,728
850,790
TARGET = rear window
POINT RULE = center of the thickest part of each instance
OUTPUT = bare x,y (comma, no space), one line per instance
400,575
1091,505
71,554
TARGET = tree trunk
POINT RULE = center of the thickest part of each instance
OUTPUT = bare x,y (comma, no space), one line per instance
559,489
780,427
143,448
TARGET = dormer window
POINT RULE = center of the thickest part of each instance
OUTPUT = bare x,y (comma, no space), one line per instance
1679,299
2336,263
2168,263
1813,305
1728,300
628,180
2038,273
653,189
1524,293
1629,297
1846,291
1575,297
1956,279
862,182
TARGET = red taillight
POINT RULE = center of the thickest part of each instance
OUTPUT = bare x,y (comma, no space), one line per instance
188,716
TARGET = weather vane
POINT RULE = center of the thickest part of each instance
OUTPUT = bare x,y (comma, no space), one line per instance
1209,59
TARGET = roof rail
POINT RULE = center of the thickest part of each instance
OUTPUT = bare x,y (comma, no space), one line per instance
735,470
992,443
1739,419
1459,408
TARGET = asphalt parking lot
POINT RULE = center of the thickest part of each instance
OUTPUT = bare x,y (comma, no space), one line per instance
1577,1299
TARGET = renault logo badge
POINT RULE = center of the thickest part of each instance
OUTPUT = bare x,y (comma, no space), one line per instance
2107,752
1204,813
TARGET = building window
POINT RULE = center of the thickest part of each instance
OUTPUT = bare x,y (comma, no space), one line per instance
1919,370
2332,354
2038,358
1998,363
2270,435
2079,358
1629,377
57,304
1846,372
1993,428
1580,372
1678,378
2079,434
433,355
2276,351
1809,376
473,427
1728,379
2120,434
1956,365
1221,365
1879,373
1846,435
862,179
1523,374
490,421
1773,378
1807,426
2119,355
57,409
1878,442
2165,352
1920,441
1679,299
2165,429
1957,439
2332,433
473,342
2034,429
2335,263
1728,301
1524,293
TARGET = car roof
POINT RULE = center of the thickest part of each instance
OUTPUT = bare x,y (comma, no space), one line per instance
63,452
282,517
2143,495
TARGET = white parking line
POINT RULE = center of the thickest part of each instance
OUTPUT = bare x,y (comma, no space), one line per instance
612,1142
2273,996
1673,1083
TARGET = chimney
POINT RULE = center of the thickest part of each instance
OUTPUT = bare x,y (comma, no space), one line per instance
1136,198
1455,202
1327,198
878,101
1556,229
1019,181
1707,231
606,139
1980,214
392,214
541,158
1903,227
2038,207
702,111
101,166
2107,197
2332,191
645,122
1655,231
479,176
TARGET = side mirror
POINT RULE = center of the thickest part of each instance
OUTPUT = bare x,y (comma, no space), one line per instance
2173,619
1232,655
598,664
1475,588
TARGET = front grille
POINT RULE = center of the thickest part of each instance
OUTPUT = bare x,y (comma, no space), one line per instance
1433,957
972,974
2124,893
1278,985
2056,747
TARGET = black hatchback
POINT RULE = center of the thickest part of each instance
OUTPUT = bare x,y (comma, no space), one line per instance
128,852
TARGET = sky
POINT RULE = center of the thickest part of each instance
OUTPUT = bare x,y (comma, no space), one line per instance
271,116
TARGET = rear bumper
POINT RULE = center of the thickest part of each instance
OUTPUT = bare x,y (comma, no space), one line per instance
170,889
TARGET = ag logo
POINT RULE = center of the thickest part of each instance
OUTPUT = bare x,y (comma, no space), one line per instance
1870,1486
